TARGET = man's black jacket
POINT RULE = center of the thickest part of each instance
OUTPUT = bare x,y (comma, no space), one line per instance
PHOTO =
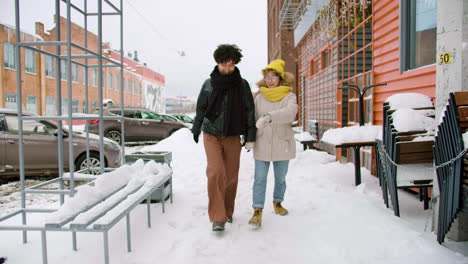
216,127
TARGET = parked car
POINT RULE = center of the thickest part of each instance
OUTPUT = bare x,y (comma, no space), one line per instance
175,119
140,125
40,147
184,118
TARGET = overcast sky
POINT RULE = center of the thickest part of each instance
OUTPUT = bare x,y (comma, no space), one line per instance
160,29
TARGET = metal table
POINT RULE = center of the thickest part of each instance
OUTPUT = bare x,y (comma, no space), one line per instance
357,156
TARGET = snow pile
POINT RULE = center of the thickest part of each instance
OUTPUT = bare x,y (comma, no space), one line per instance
304,136
152,176
330,220
350,134
409,100
406,119
127,178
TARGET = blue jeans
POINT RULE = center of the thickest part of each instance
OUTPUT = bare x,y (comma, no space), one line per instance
280,169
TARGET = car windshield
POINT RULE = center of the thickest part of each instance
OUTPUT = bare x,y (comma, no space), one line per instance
30,126
170,118
150,115
186,119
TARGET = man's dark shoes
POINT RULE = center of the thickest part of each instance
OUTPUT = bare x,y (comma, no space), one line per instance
218,226
229,219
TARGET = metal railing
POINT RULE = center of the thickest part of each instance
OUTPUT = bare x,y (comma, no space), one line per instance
63,52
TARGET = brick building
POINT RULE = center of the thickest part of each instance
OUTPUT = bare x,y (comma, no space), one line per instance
280,39
354,42
142,86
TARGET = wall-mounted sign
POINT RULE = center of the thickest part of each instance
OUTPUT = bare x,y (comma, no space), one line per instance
446,58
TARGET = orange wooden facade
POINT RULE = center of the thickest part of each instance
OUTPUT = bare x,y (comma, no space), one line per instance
386,60
361,53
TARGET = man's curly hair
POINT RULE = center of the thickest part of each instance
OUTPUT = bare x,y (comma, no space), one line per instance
227,52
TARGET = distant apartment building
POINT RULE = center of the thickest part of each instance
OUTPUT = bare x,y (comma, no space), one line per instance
141,86
180,105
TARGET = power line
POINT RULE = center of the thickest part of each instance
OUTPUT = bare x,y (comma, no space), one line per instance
154,28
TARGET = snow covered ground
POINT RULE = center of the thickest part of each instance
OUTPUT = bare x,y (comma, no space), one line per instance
330,221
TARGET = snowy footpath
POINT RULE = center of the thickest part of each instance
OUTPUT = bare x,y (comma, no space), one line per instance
330,221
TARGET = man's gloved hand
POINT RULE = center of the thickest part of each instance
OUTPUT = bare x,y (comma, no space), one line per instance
263,121
249,146
195,137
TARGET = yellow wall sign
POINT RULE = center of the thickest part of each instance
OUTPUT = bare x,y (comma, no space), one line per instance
446,58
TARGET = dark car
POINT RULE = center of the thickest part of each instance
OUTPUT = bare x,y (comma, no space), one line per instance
140,125
40,147
184,118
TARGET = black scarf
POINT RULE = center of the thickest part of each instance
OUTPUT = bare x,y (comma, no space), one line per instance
233,86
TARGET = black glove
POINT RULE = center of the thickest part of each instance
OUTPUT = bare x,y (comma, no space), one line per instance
195,137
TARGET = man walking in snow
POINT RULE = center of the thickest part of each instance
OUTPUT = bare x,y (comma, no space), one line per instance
225,111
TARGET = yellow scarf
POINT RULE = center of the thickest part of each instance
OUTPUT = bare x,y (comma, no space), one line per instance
275,94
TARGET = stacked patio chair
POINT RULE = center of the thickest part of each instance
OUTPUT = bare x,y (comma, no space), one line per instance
402,162
450,159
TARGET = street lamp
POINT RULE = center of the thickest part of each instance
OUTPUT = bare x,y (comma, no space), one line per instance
361,94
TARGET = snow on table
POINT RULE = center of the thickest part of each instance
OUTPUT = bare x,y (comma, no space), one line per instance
338,136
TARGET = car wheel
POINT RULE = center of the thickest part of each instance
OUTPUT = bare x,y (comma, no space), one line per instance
94,162
114,135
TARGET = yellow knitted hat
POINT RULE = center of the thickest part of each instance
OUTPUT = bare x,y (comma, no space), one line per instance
277,65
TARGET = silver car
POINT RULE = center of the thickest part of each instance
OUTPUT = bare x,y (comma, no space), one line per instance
41,147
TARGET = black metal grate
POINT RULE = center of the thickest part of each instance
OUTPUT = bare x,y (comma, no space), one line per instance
450,161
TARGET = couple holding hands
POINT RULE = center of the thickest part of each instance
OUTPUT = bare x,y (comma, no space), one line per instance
227,110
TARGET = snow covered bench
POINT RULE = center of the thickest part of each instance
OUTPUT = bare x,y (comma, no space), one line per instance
101,204
310,137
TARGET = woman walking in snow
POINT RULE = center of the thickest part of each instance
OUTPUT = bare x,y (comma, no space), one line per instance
275,109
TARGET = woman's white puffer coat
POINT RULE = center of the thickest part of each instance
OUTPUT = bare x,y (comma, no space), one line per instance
275,141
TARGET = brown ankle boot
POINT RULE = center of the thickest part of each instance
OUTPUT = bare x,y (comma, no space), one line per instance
279,209
256,219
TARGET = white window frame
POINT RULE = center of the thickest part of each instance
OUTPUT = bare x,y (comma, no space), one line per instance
75,73
30,61
9,55
50,66
109,81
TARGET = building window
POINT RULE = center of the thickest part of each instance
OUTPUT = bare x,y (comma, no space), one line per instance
135,88
75,106
31,104
50,66
63,70
326,58
418,33
109,81
94,77
85,106
50,106
75,72
30,62
94,104
117,83
314,67
64,106
10,101
129,86
9,55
